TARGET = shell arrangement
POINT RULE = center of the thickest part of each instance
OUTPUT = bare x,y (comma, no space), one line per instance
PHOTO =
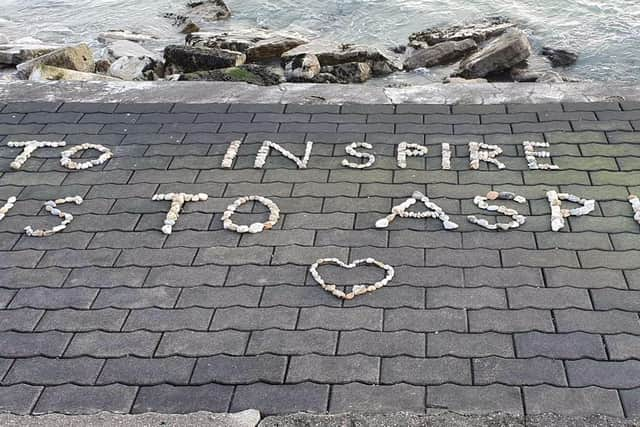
177,201
482,203
266,147
480,151
531,155
558,214
29,148
357,289
351,150
69,163
434,211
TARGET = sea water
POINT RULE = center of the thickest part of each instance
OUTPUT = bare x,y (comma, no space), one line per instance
605,33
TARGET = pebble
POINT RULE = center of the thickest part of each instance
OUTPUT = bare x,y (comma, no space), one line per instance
356,289
257,227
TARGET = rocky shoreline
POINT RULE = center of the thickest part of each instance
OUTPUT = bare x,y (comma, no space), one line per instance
490,50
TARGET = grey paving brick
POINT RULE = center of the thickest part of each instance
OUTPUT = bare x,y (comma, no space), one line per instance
236,256
193,343
425,371
469,345
157,319
24,259
21,319
475,399
167,398
45,371
462,258
307,255
254,318
340,318
631,402
560,346
611,299
382,343
523,297
156,257
333,369
532,371
592,278
113,344
466,298
385,398
429,320
605,322
622,346
490,320
136,371
82,320
618,374
503,277
75,399
267,276
106,277
155,107
133,298
18,344
19,398
52,298
572,401
277,399
293,342
320,221
206,296
240,369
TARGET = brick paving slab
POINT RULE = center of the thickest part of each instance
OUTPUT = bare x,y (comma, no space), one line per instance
113,315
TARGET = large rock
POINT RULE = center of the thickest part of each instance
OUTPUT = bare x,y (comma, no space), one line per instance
131,68
120,48
46,72
302,68
560,57
78,58
249,73
189,59
479,31
257,44
210,10
500,54
440,54
272,47
333,54
24,50
350,72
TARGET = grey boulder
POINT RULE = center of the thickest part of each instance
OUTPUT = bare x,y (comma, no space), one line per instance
440,54
189,59
500,54
302,68
478,31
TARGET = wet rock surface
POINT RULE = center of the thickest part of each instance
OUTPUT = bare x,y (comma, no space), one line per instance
350,72
500,54
560,57
47,72
190,59
209,10
304,67
272,47
479,32
249,73
77,58
440,54
23,50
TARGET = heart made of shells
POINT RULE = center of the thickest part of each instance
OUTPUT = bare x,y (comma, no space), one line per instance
356,289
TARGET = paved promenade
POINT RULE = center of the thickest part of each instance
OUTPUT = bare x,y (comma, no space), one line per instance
111,314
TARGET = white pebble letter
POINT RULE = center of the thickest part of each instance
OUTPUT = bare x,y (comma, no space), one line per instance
7,206
635,205
434,211
531,155
231,154
446,156
406,149
177,201
351,150
51,206
487,153
482,203
69,163
266,147
256,227
558,214
29,148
